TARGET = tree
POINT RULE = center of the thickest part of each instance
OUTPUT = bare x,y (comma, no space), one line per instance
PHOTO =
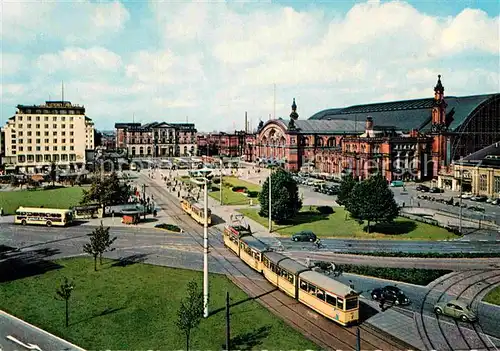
286,202
107,191
53,173
100,242
190,311
373,201
346,186
64,292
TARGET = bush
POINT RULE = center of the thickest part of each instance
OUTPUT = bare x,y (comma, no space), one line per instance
326,210
239,189
407,275
216,180
169,227
251,193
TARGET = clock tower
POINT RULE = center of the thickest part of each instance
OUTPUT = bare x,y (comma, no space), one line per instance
439,129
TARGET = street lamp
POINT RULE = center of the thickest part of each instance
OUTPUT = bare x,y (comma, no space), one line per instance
220,180
460,200
270,198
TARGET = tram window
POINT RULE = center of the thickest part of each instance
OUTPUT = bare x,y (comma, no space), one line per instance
273,267
303,285
320,294
351,304
284,273
266,262
311,289
340,303
331,300
291,278
248,250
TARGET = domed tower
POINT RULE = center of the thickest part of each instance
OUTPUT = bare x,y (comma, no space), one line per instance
294,115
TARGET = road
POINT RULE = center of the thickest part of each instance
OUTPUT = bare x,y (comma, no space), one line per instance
16,335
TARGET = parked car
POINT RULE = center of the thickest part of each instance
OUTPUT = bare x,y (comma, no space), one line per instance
305,235
456,309
436,190
466,196
392,294
480,198
476,208
423,188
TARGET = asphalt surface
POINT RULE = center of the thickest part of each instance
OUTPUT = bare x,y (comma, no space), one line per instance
17,335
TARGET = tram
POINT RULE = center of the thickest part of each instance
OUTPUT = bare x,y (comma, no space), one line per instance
330,298
196,210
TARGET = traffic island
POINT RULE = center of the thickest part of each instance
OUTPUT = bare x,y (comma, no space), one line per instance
169,227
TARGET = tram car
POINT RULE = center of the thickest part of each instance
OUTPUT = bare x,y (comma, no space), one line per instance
330,298
196,210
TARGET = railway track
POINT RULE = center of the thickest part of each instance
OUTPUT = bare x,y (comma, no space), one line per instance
456,336
323,332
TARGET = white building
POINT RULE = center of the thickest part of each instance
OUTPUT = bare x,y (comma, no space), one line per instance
55,132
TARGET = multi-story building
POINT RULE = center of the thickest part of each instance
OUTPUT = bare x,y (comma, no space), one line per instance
39,135
430,132
224,144
156,139
108,140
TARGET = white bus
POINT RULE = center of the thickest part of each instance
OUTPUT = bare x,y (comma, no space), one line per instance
43,216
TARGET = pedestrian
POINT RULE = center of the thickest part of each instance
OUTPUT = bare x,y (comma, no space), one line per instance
154,213
382,301
418,203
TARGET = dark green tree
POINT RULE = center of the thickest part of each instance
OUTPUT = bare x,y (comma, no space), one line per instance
64,292
107,191
346,186
53,173
100,242
373,201
190,311
286,202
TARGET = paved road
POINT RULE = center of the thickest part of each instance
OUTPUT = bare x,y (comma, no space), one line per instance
16,335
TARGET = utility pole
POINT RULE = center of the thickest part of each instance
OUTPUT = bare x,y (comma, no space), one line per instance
228,329
270,198
460,200
205,251
220,180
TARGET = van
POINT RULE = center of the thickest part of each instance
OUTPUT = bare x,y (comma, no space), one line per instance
397,183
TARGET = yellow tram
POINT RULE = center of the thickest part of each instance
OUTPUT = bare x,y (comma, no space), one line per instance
232,235
196,210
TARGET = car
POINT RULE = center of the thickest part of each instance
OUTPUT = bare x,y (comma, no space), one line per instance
480,198
305,235
423,188
456,309
392,294
436,190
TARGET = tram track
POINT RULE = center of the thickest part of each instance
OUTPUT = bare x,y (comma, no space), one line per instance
424,328
321,331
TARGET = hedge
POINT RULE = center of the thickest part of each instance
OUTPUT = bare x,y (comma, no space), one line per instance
407,275
251,193
326,210
170,227
426,254
239,189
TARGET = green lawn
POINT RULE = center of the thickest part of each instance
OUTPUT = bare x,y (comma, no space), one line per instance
54,198
493,296
230,197
336,225
134,307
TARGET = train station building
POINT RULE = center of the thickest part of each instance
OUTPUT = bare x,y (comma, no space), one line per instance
410,140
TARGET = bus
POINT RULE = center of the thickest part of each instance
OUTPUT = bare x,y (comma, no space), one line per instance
43,216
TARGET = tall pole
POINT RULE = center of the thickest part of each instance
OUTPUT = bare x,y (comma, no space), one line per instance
274,103
228,329
205,252
220,182
460,200
270,197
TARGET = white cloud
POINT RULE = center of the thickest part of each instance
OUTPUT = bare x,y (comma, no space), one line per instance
74,61
11,63
71,22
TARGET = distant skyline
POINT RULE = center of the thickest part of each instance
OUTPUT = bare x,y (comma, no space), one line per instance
208,62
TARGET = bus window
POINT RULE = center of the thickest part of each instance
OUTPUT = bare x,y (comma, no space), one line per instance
340,303
331,300
351,304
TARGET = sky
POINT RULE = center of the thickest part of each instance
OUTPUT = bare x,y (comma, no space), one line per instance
209,62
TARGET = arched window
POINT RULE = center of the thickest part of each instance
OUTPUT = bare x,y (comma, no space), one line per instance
331,142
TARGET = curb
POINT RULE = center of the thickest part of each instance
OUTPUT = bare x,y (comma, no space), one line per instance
41,330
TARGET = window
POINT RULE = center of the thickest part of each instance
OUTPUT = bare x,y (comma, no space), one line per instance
483,182
38,157
71,134
29,118
73,148
47,134
55,157
63,148
29,133
46,126
29,142
64,133
303,285
21,134
64,141
71,126
55,142
38,118
54,126
351,304
47,148
31,158
64,157
46,118
311,289
21,158
340,303
38,142
331,300
38,134
47,141
20,126
72,141
29,126
21,141
55,134
30,149
496,184
320,294
64,118
20,148
47,157
20,118
54,148
64,126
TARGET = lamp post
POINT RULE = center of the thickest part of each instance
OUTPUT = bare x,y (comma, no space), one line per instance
270,198
205,251
460,200
220,180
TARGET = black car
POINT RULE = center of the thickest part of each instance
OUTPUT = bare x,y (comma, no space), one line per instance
390,294
305,235
436,190
423,188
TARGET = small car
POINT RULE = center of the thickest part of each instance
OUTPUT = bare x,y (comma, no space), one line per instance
392,294
436,190
456,309
305,235
423,188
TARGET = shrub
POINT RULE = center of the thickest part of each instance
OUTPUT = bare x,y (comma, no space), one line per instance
239,189
170,227
326,210
216,180
251,193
